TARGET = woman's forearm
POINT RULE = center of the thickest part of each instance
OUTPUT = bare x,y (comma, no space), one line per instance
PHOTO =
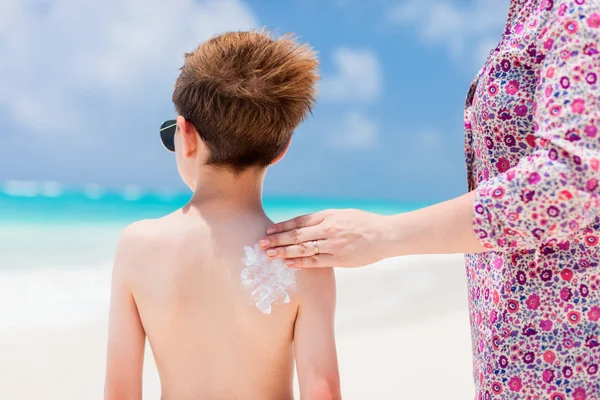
444,228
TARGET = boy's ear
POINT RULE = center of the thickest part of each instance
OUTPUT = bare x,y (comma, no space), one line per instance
279,157
189,136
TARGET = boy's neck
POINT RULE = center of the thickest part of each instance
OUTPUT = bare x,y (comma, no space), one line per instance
222,188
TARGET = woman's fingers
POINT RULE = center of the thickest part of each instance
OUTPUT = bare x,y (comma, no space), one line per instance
318,261
302,221
305,249
294,236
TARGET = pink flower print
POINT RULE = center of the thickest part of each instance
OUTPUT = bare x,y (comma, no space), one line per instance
591,78
567,372
496,388
546,325
509,140
503,165
593,20
549,356
555,110
591,240
519,28
591,341
528,357
530,139
571,27
574,317
504,114
496,342
590,49
548,44
493,90
533,178
515,384
498,193
498,262
592,369
553,211
513,87
529,330
572,135
527,195
513,306
579,394
566,274
489,143
562,9
565,82
565,195
521,110
505,65
566,294
592,184
503,362
578,106
547,5
594,314
548,376
521,277
493,316
591,131
533,302
557,396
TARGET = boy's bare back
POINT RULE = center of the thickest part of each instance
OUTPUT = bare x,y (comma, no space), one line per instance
176,280
181,274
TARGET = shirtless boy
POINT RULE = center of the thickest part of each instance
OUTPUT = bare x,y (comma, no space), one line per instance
177,279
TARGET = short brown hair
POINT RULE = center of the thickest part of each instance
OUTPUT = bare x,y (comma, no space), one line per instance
245,93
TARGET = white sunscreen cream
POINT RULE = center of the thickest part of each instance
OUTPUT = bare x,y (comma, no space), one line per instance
269,281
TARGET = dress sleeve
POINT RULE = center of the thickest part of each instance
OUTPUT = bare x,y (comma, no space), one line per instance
553,193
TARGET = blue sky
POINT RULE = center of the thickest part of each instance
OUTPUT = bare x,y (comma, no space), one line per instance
86,83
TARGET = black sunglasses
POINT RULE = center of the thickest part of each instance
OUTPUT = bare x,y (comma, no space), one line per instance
167,134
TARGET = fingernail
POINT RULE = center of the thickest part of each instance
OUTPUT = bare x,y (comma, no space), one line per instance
289,263
271,253
264,242
271,231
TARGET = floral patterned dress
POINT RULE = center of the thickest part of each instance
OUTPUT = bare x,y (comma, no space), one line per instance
532,122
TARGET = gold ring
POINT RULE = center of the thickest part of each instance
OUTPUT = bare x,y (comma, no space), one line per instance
316,248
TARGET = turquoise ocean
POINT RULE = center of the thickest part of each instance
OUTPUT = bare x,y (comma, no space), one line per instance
57,244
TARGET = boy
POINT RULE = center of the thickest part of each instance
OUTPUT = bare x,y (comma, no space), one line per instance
177,280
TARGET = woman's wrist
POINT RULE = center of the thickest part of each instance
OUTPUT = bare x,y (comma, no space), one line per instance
395,242
444,228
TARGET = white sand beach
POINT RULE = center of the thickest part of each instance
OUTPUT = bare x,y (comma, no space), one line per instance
402,329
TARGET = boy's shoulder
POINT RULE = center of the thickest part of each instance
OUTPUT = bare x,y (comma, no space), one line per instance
146,238
155,231
145,232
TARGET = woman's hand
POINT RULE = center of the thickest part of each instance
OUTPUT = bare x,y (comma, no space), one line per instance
343,238
353,238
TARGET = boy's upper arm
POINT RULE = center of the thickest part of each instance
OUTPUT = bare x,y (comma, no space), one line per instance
314,337
126,337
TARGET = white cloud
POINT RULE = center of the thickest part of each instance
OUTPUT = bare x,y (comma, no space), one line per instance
462,29
358,77
356,131
56,52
